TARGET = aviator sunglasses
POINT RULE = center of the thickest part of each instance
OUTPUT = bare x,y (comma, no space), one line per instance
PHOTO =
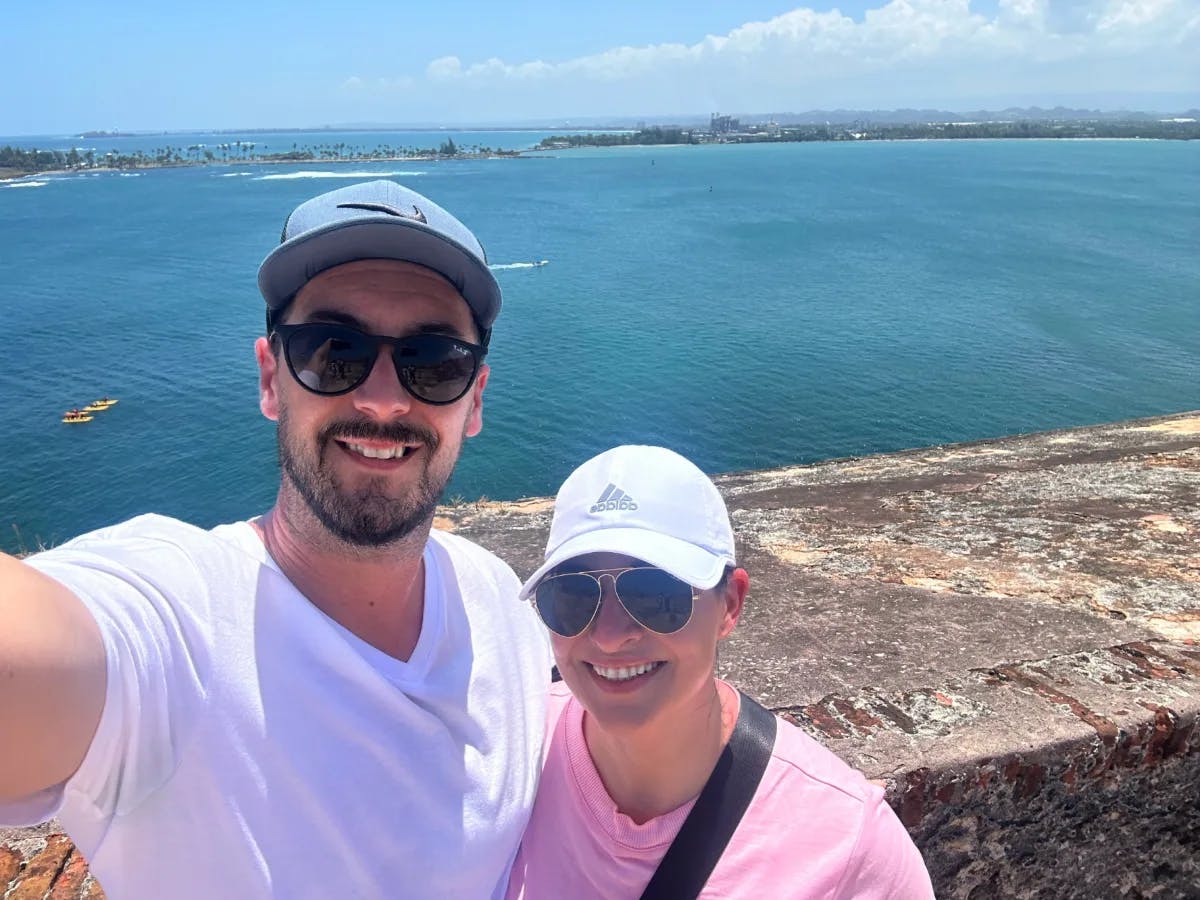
655,599
331,359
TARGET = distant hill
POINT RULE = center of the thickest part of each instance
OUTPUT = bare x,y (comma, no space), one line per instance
904,117
810,117
913,116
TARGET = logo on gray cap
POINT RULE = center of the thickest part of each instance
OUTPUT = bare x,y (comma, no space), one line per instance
416,214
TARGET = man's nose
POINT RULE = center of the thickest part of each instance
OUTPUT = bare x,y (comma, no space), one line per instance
382,395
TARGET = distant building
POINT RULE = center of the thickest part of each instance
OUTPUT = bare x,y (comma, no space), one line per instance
720,124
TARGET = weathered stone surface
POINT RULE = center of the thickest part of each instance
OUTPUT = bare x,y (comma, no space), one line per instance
10,864
1065,777
70,884
42,870
1007,633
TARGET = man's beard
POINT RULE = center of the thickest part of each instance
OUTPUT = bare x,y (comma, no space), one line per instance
364,517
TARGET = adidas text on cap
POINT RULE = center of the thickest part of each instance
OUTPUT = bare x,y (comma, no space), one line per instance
378,220
648,503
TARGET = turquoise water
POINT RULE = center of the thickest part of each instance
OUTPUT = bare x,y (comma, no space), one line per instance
750,306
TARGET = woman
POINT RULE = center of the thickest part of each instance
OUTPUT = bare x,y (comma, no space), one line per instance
639,585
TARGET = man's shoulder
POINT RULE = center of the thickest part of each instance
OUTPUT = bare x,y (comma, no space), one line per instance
149,527
487,588
462,551
151,543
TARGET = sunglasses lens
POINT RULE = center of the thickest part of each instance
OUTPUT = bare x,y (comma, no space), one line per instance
329,359
567,603
658,600
435,368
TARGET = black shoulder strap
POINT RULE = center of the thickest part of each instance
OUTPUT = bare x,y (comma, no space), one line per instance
706,831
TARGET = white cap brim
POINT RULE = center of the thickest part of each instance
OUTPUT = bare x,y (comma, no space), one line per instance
697,566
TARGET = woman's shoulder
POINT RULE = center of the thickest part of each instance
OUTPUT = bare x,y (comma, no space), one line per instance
800,762
800,759
820,826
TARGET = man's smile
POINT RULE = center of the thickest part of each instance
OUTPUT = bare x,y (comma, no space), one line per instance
377,450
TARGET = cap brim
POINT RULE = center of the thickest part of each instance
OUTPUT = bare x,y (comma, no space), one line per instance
695,565
292,264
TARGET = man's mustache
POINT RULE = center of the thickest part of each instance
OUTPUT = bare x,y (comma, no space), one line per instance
392,432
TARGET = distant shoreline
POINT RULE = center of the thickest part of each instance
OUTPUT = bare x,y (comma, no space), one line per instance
14,174
726,130
11,174
888,140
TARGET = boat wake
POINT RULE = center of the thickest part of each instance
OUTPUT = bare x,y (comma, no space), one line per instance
292,176
520,265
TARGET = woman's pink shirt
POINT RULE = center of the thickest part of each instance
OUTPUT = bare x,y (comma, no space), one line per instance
815,829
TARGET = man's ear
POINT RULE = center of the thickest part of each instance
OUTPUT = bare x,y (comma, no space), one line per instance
268,368
475,416
737,585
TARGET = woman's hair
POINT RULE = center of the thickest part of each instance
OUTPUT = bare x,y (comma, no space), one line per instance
724,579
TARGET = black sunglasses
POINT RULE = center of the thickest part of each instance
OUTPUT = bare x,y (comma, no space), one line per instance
331,359
654,598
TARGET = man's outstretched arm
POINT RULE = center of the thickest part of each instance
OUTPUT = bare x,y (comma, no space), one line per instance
52,680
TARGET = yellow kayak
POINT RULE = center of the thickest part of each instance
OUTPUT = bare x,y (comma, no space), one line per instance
71,420
100,405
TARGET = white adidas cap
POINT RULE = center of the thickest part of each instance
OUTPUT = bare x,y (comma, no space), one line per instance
646,502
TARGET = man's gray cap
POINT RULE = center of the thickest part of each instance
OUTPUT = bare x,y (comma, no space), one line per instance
378,220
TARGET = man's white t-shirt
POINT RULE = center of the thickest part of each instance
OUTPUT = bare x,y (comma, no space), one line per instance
251,747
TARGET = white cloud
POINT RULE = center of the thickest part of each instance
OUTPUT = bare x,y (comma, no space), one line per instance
444,68
360,86
902,53
1133,15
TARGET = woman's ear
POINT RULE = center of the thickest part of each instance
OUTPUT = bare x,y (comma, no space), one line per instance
737,585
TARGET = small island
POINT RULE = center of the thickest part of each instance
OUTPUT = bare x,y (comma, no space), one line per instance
105,134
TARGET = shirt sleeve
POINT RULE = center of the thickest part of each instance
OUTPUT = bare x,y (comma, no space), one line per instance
886,864
147,599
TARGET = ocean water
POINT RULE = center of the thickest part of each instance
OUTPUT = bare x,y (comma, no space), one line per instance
749,306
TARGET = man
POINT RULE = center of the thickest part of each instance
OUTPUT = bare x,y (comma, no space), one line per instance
329,700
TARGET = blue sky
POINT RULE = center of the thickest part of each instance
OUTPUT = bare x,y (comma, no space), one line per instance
156,66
